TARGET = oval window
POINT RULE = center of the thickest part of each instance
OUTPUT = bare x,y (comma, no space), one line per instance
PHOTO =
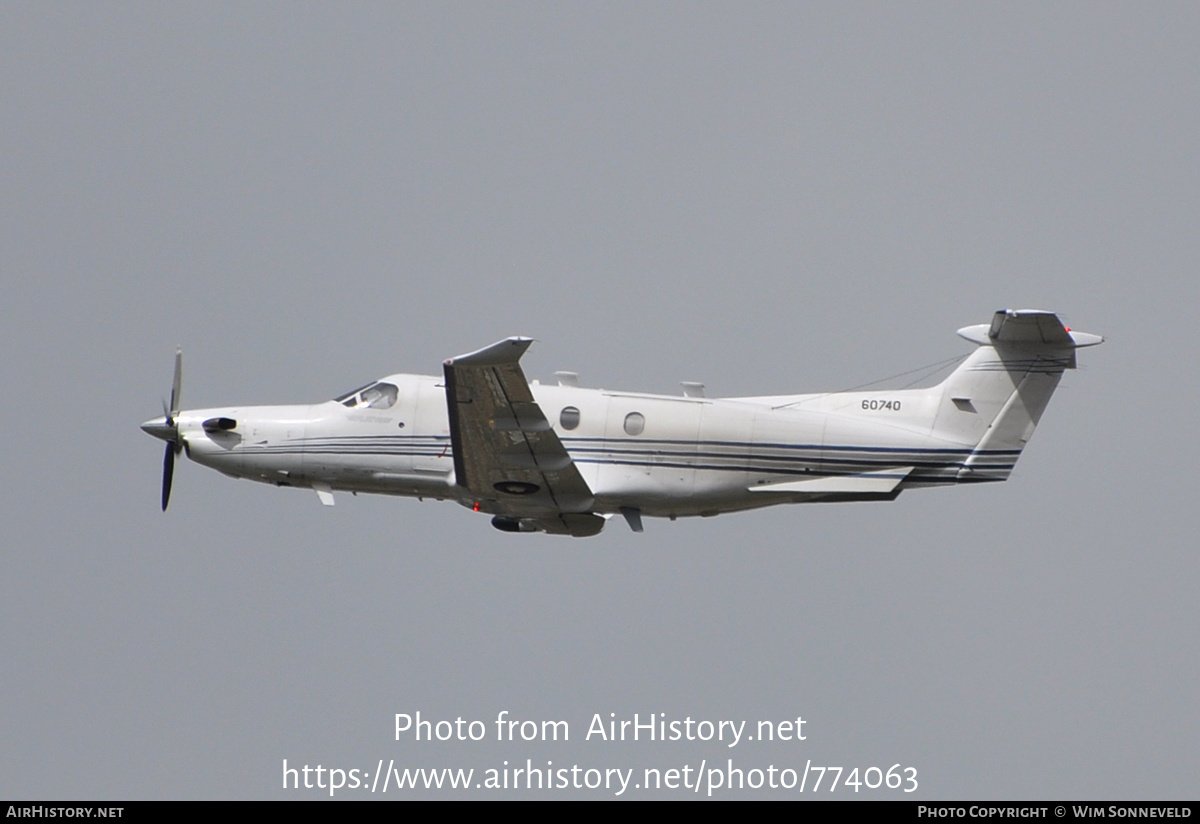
635,422
569,417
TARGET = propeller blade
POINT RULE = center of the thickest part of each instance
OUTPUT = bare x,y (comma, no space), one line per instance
177,383
168,473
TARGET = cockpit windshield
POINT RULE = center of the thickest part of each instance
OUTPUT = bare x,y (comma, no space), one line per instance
375,395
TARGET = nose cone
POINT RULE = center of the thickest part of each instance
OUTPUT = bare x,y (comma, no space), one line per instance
160,428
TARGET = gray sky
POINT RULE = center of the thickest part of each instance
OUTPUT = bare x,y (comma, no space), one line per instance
771,198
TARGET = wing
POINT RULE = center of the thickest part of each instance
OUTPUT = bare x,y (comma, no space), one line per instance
505,452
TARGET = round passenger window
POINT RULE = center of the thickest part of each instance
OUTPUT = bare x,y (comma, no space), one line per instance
569,417
635,422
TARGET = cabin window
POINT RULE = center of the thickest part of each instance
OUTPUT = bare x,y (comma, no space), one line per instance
569,417
635,422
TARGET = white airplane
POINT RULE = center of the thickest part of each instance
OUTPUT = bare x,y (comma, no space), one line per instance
563,459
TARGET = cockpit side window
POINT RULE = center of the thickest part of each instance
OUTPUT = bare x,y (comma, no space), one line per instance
380,396
377,395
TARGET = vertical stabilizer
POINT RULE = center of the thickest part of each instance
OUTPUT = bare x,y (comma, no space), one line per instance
995,399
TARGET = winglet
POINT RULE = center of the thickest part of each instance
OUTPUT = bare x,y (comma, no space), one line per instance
499,353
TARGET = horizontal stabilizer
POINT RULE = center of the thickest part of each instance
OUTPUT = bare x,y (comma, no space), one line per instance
1028,327
880,482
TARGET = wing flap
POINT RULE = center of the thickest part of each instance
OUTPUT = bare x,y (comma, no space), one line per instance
577,525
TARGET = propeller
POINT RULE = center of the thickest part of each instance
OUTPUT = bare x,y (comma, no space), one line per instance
168,430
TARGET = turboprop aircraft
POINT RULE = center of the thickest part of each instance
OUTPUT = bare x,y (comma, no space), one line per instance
562,459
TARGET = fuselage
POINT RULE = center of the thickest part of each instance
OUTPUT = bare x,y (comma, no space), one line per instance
665,455
561,459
